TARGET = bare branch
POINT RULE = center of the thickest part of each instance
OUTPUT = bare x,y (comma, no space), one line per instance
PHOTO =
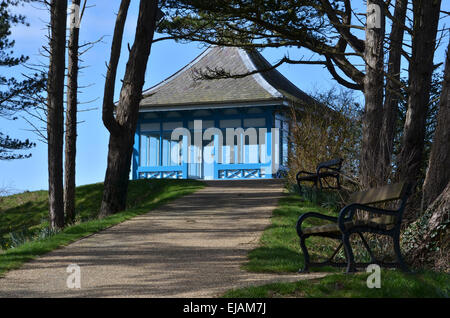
220,73
330,66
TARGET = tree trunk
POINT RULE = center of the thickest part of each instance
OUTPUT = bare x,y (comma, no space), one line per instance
438,172
373,94
121,138
55,111
71,119
117,174
426,18
392,92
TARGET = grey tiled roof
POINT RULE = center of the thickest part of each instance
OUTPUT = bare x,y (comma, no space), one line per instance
182,89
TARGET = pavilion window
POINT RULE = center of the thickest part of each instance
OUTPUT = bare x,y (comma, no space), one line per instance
246,147
230,151
285,143
171,150
205,124
254,122
149,154
150,144
251,149
252,145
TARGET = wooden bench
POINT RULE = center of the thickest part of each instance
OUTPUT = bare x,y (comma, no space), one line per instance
379,221
324,170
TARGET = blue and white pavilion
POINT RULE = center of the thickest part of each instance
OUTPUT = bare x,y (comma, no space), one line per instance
231,128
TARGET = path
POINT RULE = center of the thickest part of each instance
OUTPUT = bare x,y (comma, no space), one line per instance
191,247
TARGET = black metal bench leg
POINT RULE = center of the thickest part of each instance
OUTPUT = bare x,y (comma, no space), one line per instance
398,253
351,268
335,253
305,268
366,245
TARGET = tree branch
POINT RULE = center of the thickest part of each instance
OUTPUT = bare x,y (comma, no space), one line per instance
108,97
330,66
220,73
353,41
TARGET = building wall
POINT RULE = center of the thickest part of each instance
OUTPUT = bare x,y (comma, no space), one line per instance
254,153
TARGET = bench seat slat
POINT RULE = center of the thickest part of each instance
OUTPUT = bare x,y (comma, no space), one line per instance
379,222
386,193
316,176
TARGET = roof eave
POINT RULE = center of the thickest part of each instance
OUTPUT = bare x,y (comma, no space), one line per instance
215,105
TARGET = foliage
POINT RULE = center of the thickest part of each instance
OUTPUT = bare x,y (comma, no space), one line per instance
15,94
428,245
8,145
394,284
329,129
240,22
328,199
316,25
18,238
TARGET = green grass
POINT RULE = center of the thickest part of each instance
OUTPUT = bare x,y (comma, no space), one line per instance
22,211
28,211
279,249
394,284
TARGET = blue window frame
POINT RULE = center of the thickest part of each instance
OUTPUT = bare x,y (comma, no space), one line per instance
171,150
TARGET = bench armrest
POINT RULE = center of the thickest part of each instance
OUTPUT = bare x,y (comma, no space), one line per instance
338,170
335,168
347,213
306,215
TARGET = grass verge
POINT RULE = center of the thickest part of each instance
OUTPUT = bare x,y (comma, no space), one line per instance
394,284
29,209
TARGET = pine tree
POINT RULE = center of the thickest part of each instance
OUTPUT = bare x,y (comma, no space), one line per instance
16,94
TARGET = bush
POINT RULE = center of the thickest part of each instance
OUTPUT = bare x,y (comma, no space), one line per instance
330,128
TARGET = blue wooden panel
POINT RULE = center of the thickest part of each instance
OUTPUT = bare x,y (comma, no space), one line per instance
136,146
208,160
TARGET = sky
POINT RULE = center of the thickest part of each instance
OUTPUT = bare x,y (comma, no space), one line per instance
166,58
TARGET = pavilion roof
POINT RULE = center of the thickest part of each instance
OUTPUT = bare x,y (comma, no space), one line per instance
183,88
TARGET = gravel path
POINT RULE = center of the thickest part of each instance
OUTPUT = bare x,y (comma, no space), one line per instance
192,247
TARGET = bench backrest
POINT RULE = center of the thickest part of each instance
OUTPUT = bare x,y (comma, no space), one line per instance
331,163
377,195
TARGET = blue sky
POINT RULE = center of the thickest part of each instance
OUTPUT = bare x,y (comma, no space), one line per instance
166,58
